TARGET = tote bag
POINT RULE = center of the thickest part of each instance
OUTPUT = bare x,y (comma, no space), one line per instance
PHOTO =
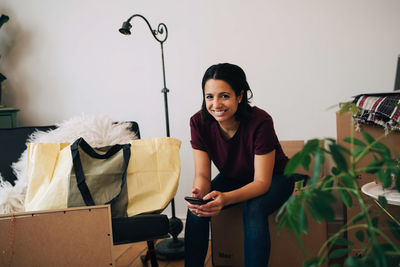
48,169
99,176
152,175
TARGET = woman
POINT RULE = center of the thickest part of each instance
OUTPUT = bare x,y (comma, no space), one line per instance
241,141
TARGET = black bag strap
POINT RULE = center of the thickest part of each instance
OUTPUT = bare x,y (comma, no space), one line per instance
80,176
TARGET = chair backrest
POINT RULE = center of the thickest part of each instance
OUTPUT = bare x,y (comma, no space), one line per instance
135,128
13,144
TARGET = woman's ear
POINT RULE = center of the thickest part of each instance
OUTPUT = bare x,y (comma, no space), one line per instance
240,97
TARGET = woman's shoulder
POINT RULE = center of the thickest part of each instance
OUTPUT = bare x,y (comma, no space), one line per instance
197,121
196,118
259,115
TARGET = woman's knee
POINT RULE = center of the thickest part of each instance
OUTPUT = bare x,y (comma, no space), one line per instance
280,190
192,218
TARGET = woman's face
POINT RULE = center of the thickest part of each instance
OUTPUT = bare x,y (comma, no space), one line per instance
221,101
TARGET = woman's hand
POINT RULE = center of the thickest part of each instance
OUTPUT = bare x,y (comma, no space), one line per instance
213,207
193,207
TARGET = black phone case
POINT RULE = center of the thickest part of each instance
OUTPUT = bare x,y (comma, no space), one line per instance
197,201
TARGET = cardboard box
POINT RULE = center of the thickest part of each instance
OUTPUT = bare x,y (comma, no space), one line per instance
227,237
392,141
344,125
70,237
227,234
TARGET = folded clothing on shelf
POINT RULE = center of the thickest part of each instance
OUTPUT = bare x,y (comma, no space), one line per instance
379,109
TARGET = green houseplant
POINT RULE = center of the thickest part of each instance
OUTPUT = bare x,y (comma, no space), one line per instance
318,199
3,19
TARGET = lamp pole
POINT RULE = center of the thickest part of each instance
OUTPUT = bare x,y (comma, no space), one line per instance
168,248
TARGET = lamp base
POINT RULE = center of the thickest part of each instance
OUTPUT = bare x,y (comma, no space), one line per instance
170,249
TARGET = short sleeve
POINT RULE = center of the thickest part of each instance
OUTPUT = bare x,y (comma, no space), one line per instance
196,141
265,139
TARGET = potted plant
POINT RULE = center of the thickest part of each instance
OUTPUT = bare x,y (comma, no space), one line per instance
318,198
3,19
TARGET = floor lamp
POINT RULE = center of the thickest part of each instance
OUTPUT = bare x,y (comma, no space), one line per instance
171,248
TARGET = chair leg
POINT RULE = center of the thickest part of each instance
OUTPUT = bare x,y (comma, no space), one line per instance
150,254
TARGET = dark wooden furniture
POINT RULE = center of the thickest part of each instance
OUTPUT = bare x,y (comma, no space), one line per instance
8,117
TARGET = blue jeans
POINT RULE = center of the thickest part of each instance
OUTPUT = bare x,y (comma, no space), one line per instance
255,222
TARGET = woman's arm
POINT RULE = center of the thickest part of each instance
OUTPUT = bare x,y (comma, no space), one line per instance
263,170
202,173
202,177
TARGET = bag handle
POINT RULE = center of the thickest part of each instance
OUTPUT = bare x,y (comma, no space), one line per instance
80,176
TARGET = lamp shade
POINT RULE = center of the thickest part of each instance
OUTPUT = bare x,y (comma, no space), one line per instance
126,28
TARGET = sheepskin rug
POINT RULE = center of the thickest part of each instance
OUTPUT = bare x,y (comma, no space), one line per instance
97,130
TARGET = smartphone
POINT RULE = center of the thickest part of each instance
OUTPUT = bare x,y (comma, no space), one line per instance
197,201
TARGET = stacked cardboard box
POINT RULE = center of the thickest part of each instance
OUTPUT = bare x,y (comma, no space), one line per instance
227,234
392,141
79,236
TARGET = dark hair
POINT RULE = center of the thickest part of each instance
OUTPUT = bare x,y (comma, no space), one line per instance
236,78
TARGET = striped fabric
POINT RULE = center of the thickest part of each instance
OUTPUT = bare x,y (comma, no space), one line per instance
383,110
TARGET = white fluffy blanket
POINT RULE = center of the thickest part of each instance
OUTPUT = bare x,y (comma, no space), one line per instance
97,130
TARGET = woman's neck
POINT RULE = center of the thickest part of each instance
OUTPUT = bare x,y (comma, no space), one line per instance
228,129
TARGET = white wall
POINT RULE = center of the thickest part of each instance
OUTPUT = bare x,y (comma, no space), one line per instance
64,58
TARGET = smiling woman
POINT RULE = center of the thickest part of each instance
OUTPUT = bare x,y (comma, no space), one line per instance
222,103
241,141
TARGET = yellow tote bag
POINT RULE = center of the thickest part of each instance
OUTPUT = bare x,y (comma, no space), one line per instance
153,174
48,168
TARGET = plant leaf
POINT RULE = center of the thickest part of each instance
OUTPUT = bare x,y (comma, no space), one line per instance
311,262
378,255
303,221
360,235
306,162
338,253
394,229
382,150
382,200
348,181
358,150
375,221
338,157
299,184
357,218
340,241
326,196
293,164
346,198
349,107
311,146
335,170
318,161
368,137
387,179
353,262
327,183
388,247
282,223
356,141
324,209
375,165
313,212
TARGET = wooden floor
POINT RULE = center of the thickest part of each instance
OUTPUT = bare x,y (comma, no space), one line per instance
129,255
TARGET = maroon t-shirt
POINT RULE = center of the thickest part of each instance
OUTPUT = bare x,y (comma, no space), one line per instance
234,158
